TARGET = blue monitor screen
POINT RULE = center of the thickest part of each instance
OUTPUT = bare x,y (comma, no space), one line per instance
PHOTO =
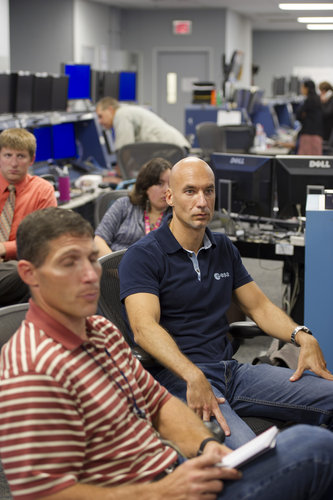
79,81
44,143
64,145
127,86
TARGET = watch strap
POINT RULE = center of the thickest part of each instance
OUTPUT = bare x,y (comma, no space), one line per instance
298,329
203,444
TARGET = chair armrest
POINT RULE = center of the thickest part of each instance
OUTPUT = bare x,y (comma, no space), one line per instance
245,330
145,359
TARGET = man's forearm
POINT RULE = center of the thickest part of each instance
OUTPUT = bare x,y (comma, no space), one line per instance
177,423
159,344
147,491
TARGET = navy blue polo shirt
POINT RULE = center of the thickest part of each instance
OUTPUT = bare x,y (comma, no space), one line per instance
193,301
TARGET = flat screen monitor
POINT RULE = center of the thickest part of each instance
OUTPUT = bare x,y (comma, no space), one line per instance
294,85
127,86
41,92
243,183
44,143
279,85
7,87
59,92
255,101
64,144
79,80
111,85
296,176
23,98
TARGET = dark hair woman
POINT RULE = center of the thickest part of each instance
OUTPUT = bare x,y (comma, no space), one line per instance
310,115
131,217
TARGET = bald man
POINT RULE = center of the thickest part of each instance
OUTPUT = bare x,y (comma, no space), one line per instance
177,285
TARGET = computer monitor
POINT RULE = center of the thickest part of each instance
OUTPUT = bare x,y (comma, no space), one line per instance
41,92
44,143
79,80
255,101
294,85
243,183
111,85
127,86
64,144
279,85
7,94
296,176
59,92
23,94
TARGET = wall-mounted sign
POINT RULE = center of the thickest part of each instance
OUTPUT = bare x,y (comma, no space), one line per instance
182,27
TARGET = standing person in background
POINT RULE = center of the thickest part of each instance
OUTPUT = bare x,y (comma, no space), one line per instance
326,97
20,194
143,210
132,123
310,115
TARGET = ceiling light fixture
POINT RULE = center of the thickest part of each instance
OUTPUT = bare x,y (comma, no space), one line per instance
306,6
319,26
308,20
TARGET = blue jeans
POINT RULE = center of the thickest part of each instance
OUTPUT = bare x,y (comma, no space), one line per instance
299,468
261,390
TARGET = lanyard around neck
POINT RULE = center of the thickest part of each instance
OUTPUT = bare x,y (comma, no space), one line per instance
140,413
148,227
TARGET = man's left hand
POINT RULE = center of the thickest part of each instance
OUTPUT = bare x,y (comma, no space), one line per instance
311,358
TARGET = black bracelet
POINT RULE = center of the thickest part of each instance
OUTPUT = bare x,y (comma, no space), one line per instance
203,444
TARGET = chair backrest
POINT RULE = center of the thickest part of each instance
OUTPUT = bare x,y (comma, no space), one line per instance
10,319
104,201
238,138
131,157
210,138
109,304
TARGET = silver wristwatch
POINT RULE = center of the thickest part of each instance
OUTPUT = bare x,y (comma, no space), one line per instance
297,329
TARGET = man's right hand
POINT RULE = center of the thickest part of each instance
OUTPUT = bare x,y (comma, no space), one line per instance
202,400
197,479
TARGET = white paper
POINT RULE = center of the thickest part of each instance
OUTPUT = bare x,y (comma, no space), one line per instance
252,449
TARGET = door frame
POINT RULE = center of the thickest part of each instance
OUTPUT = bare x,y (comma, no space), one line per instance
160,50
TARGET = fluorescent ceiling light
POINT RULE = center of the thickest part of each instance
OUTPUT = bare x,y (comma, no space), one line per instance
315,20
319,26
306,6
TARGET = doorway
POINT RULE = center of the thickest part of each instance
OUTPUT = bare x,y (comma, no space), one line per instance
186,66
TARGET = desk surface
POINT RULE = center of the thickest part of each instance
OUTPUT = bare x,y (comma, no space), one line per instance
270,151
83,199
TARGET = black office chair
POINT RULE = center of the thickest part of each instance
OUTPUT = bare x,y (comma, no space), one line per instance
238,138
10,319
110,307
5,493
104,201
210,138
131,157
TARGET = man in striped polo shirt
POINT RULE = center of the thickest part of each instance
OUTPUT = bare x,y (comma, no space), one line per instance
80,417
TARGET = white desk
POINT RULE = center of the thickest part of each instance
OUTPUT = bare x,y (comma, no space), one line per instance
83,199
270,151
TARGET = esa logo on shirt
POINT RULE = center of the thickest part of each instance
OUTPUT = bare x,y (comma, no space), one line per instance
219,276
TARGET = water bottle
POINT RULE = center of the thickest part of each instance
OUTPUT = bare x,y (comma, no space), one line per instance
260,139
64,185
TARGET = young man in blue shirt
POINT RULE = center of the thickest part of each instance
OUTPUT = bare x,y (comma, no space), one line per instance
177,285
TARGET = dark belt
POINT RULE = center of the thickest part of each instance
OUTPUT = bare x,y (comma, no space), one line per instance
166,471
